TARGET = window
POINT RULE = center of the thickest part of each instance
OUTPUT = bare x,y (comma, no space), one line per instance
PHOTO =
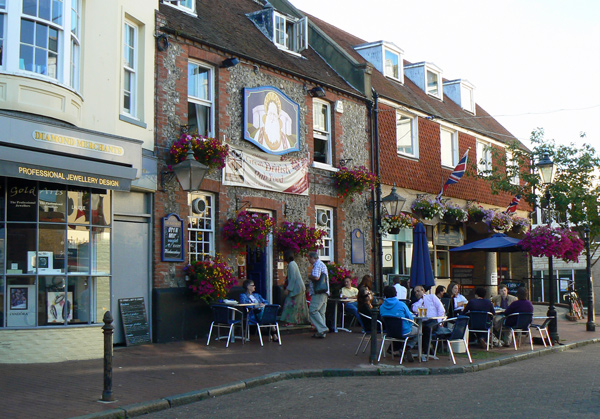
130,35
290,33
322,131
200,99
512,168
201,227
325,223
185,5
467,101
56,241
35,40
433,84
406,135
449,147
484,158
392,65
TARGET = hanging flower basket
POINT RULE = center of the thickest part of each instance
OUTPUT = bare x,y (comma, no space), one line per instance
477,214
499,221
520,225
208,151
337,273
453,214
427,209
248,229
351,181
561,243
210,279
298,238
393,224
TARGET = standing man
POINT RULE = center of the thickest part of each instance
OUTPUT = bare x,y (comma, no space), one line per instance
318,302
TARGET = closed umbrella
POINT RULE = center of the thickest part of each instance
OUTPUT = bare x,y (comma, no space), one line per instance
420,271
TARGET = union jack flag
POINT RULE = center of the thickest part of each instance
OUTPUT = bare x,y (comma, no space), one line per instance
512,207
458,172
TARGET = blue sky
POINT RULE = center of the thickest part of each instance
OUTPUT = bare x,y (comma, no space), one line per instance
534,63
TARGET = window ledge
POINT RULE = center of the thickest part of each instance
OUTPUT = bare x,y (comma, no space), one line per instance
409,156
133,121
324,166
289,51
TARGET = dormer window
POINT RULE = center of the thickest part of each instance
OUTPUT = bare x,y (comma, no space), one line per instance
385,57
185,5
290,33
461,92
428,77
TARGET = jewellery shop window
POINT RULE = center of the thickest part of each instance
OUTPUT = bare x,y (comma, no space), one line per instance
55,245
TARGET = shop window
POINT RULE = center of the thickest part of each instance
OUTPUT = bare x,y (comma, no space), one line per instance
201,227
200,99
325,223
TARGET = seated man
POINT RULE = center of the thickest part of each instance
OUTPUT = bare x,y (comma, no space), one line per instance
434,307
522,305
349,292
503,299
393,307
401,291
480,303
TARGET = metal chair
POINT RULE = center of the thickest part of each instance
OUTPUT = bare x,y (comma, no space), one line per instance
481,322
446,301
224,316
543,328
367,331
522,322
458,334
393,333
269,319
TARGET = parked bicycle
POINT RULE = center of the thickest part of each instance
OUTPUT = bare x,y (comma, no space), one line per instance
575,303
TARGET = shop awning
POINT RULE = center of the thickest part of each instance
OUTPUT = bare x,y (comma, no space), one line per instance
36,165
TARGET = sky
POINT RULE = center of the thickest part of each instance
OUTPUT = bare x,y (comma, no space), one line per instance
534,63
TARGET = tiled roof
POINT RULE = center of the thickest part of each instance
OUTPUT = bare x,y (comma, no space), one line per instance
411,96
223,24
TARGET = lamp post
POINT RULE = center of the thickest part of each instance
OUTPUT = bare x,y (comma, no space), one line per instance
546,170
590,325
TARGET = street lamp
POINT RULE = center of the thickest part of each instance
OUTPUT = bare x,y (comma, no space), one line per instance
393,203
546,170
190,172
590,325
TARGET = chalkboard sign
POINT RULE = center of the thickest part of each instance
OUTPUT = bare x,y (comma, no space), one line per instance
172,239
135,322
463,274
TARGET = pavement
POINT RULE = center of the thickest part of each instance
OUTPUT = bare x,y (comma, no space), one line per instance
155,377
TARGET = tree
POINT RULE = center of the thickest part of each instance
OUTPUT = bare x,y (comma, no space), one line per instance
576,188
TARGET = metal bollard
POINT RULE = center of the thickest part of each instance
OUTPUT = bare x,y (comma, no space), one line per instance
107,330
375,312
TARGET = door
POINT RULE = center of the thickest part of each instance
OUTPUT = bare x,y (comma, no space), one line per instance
260,264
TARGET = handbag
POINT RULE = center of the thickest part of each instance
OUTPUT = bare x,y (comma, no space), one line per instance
320,285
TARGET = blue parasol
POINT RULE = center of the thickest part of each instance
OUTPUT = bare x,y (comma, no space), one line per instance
497,243
420,271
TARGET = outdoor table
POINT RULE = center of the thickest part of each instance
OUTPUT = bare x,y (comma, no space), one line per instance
337,301
245,318
420,321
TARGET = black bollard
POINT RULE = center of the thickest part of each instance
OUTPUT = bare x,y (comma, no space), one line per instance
107,329
374,317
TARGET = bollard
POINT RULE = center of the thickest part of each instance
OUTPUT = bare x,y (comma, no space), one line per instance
374,317
107,329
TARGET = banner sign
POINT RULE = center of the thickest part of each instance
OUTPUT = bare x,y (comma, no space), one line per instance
264,171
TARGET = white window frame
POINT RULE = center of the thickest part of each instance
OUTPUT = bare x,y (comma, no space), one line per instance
484,158
293,36
453,161
182,5
322,133
467,98
414,134
75,68
327,252
512,162
208,102
400,76
199,234
438,76
4,17
130,71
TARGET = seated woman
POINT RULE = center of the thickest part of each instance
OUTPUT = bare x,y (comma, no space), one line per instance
366,282
349,292
459,300
249,297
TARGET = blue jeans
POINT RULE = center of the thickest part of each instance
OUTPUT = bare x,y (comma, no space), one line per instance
352,308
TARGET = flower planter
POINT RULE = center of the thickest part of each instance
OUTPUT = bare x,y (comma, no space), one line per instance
394,231
431,222
479,227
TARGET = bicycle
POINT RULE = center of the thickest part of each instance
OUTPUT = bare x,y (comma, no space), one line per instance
575,303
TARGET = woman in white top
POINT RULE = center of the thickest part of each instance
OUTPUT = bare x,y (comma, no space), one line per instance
459,300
